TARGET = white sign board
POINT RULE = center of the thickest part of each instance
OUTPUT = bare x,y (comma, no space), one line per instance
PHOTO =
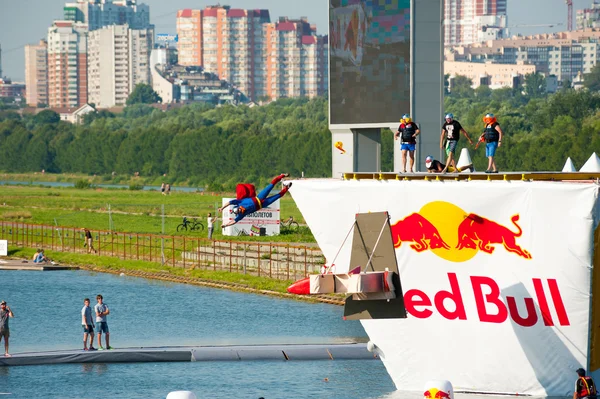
267,218
3,247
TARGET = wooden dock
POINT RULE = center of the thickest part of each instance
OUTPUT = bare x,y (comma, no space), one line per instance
12,264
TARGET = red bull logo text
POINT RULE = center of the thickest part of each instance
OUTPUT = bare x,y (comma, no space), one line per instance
455,235
486,294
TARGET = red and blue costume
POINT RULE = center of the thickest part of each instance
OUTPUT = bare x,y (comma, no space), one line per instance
252,203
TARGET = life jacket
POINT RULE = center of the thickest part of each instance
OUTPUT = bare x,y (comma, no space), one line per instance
407,133
490,133
588,388
245,190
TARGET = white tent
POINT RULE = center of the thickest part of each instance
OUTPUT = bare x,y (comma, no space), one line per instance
569,166
464,159
592,164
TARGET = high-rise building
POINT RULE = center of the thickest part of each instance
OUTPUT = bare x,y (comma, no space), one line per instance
67,64
246,49
99,13
36,73
473,21
295,60
118,59
589,17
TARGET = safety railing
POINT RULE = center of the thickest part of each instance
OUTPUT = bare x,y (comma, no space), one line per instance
279,261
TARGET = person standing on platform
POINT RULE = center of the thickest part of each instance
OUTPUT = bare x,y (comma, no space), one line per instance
492,134
408,132
102,326
451,130
88,325
5,313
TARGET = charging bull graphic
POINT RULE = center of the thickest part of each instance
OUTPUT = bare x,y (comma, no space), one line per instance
478,232
454,234
415,228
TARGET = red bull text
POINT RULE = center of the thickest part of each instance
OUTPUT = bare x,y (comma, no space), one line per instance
486,292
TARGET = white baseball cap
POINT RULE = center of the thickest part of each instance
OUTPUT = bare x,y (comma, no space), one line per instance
428,160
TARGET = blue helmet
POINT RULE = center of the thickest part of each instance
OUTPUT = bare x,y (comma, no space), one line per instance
449,115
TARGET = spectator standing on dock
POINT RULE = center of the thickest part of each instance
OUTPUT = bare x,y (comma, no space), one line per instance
88,325
162,188
5,313
102,326
88,240
168,189
210,225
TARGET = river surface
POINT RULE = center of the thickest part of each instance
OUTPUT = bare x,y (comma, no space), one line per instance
47,308
116,186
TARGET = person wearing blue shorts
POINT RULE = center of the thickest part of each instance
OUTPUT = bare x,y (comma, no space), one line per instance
492,134
88,325
408,132
102,311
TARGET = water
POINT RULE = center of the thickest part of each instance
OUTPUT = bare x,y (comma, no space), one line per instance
47,309
116,186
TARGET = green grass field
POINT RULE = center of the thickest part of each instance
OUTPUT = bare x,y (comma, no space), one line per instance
130,211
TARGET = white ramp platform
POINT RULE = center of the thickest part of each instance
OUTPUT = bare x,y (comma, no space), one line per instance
356,351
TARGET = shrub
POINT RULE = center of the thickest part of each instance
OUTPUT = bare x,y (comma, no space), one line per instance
83,184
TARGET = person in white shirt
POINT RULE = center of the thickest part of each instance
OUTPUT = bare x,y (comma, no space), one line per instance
210,224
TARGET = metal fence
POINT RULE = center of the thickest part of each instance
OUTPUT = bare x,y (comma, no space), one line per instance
280,261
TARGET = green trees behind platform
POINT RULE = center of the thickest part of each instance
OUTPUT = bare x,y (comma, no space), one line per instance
198,143
221,146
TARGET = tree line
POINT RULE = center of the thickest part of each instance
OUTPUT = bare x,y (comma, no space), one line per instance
207,145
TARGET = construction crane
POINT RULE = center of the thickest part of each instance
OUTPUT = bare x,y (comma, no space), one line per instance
535,25
570,15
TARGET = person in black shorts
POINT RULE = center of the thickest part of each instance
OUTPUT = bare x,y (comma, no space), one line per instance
435,166
451,130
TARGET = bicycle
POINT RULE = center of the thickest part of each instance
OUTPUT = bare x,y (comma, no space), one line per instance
192,225
290,223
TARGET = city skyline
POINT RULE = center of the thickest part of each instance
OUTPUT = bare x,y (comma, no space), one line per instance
26,24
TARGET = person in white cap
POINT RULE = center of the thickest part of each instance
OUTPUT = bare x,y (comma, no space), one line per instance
435,166
451,130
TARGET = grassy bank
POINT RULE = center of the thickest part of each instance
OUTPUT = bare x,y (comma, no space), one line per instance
130,211
197,276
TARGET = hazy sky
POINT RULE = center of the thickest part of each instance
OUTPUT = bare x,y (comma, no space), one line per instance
26,21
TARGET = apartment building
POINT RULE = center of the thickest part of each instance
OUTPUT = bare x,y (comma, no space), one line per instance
246,49
118,59
295,60
588,17
564,55
36,73
489,74
473,21
99,13
67,64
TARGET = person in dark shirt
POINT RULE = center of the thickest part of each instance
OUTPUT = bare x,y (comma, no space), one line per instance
5,313
451,130
492,134
584,386
435,166
408,132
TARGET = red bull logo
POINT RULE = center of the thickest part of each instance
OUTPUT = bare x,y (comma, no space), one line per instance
435,393
455,235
